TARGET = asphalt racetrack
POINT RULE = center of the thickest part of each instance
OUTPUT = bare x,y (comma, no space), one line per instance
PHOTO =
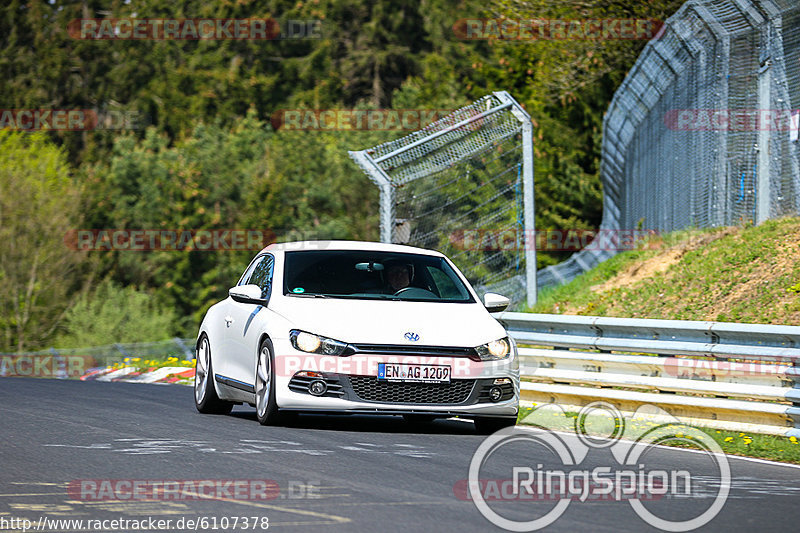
60,440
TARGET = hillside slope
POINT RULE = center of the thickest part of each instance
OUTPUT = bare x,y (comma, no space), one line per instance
733,274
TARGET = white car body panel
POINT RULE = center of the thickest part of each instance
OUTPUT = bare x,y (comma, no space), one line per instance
235,330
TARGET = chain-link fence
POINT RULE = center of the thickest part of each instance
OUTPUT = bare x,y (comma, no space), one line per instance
703,131
459,184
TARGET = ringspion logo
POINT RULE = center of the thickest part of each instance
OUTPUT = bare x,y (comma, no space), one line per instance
598,455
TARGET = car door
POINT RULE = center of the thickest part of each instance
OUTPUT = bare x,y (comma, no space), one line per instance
245,323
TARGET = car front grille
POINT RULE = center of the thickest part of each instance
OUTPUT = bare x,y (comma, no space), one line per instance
369,389
405,349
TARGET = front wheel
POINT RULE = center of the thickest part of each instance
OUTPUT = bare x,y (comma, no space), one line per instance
205,396
266,407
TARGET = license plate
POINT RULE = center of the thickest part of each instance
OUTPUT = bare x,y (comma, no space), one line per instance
414,373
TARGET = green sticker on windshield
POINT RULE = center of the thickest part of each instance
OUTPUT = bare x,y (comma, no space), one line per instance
298,290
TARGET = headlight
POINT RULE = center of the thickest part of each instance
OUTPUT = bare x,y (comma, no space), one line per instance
308,342
498,349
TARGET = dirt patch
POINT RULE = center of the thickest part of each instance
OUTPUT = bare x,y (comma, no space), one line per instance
638,272
661,262
765,273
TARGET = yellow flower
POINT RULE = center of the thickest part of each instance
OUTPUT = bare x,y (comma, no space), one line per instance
136,359
748,441
126,360
793,439
728,439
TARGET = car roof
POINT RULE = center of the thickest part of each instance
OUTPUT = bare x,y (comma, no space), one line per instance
347,245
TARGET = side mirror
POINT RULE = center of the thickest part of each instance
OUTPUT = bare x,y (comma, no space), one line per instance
494,303
247,294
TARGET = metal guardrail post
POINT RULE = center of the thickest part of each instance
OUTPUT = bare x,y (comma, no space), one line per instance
794,396
756,350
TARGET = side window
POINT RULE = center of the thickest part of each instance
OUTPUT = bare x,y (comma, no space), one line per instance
262,275
249,273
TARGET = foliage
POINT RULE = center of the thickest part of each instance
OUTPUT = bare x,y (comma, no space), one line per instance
38,274
209,160
728,275
114,314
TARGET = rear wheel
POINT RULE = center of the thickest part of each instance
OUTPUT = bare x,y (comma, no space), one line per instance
266,407
489,425
205,396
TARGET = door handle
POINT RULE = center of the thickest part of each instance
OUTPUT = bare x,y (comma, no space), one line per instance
228,321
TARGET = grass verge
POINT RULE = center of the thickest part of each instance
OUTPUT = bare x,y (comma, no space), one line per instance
771,447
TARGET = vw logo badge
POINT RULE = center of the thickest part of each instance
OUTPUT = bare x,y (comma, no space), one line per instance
411,336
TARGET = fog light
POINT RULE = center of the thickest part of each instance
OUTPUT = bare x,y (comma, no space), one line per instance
495,393
502,381
317,388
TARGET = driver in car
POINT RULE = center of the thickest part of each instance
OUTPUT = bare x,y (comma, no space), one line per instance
399,276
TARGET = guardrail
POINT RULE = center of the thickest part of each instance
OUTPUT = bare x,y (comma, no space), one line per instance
743,377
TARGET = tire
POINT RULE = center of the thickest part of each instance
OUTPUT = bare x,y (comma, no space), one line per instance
488,425
266,406
205,395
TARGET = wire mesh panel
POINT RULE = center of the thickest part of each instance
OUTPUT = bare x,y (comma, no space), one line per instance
703,131
464,186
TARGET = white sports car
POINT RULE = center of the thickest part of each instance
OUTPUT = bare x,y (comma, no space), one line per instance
357,327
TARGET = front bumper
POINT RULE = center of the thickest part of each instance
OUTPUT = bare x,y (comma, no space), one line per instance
466,395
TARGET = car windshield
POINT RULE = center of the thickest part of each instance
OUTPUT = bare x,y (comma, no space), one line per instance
372,275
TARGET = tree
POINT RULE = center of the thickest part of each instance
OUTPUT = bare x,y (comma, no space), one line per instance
38,273
111,314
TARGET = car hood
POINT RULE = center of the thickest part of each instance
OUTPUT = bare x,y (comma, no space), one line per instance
387,322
